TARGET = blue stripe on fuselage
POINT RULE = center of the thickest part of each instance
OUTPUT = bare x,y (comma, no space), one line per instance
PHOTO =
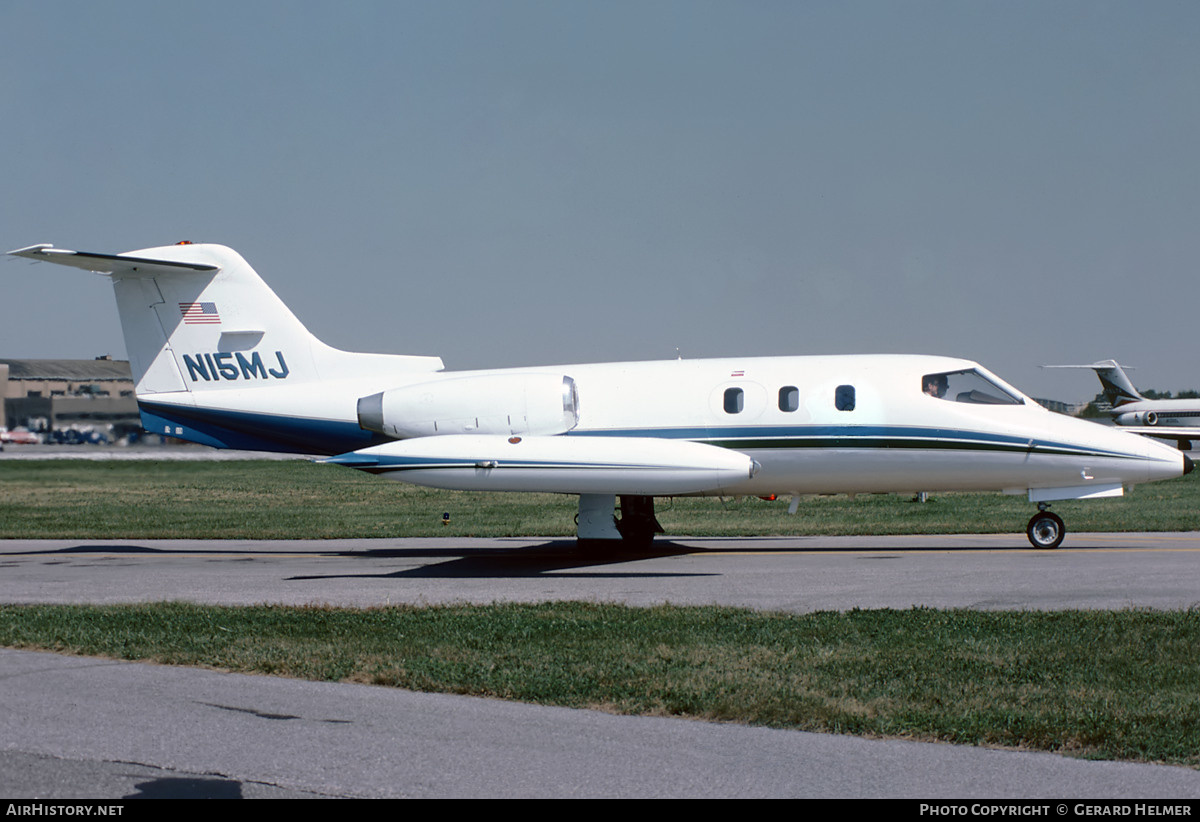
256,432
301,435
748,438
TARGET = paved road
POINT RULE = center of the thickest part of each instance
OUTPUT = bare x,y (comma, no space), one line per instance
72,727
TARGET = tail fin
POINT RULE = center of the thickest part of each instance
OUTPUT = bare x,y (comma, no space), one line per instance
1118,390
197,317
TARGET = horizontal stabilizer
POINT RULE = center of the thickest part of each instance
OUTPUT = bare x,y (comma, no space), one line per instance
108,263
1094,365
569,465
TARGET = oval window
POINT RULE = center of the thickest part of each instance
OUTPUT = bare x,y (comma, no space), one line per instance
734,400
789,398
843,398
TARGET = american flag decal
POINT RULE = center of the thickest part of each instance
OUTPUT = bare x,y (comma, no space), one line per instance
200,313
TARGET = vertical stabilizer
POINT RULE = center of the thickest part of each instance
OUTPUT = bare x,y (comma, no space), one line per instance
218,359
197,317
214,324
1118,390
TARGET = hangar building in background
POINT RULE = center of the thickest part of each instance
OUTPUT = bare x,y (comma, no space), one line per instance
61,395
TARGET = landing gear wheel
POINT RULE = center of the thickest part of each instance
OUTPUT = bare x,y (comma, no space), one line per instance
1046,530
638,524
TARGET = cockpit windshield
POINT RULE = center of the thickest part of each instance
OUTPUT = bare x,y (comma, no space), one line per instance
967,386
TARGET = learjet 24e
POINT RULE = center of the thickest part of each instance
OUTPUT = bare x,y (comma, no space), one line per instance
218,359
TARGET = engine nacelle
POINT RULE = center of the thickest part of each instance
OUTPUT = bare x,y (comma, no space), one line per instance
542,404
1138,418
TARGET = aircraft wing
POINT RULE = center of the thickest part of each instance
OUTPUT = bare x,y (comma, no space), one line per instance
106,263
1165,432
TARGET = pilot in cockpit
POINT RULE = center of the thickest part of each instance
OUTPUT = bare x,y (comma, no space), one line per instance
935,384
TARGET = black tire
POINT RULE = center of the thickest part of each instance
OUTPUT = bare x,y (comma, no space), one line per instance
1046,530
638,524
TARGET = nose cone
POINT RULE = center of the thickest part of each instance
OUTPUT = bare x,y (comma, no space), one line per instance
1168,461
1147,459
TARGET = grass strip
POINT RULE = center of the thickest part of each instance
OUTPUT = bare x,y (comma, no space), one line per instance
80,499
1112,685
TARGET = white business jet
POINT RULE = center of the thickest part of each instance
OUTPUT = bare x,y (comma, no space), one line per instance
1177,420
220,360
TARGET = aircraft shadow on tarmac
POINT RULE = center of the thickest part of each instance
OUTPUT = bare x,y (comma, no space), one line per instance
465,562
460,562
187,788
526,561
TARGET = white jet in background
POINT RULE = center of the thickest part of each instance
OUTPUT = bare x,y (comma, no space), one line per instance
1177,420
220,360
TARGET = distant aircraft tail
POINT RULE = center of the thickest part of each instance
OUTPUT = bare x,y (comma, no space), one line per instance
196,318
1118,389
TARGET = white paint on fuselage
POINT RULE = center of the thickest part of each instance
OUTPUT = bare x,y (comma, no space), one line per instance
896,439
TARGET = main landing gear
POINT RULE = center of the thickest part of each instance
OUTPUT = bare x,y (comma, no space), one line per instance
638,525
1045,530
597,527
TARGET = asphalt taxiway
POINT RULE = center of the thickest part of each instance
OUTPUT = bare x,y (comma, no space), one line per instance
75,727
798,574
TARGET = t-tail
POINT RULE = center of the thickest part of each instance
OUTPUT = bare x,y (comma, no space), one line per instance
201,328
1118,389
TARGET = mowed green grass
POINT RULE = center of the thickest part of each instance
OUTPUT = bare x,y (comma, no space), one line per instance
76,499
1114,685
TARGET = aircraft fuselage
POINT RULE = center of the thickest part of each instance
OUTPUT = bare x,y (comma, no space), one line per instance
812,424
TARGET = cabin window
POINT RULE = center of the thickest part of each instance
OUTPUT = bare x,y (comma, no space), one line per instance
843,398
967,386
734,400
789,398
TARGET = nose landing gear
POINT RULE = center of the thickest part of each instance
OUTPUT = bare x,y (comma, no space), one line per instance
1045,530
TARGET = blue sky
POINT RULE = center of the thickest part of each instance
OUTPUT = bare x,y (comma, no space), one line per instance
517,183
